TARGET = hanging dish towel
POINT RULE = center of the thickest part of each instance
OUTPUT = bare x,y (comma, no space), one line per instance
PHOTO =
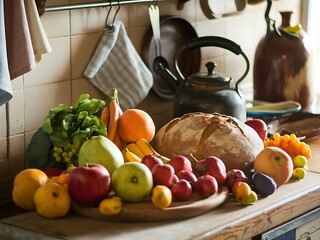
116,64
39,38
19,47
5,83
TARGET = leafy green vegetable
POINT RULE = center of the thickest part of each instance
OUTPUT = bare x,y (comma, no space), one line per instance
38,153
75,124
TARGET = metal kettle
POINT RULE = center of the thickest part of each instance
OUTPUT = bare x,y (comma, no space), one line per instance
206,92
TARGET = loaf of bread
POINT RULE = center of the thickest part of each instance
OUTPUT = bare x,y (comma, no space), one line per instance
203,135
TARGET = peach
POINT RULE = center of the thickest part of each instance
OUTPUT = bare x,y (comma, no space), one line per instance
274,162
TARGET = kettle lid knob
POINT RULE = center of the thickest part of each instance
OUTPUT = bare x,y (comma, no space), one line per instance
210,78
210,67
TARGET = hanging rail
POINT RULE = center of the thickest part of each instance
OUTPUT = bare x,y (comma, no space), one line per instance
95,4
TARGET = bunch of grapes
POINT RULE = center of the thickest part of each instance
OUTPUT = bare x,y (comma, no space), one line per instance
67,154
290,144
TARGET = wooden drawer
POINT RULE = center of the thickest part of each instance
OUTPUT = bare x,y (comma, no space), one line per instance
309,231
305,227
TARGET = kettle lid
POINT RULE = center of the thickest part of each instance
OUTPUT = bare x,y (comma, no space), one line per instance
210,78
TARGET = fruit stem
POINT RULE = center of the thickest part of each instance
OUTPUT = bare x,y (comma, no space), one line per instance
194,158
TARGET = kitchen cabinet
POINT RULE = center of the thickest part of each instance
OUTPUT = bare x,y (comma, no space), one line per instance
294,204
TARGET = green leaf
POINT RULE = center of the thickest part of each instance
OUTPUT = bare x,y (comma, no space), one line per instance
47,125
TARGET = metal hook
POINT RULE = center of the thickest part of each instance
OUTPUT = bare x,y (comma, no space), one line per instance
106,21
110,26
116,13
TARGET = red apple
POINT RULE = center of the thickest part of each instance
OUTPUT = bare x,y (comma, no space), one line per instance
163,174
213,166
259,126
88,185
174,180
233,176
182,190
151,160
179,163
187,175
206,186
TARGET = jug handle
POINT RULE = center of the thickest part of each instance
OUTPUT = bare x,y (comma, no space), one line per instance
214,41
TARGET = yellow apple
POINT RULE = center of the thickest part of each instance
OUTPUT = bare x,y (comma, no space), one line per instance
299,173
274,162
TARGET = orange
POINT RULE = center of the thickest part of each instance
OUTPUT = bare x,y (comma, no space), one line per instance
25,185
135,124
52,200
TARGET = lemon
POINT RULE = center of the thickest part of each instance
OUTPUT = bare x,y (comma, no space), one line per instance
299,173
161,196
293,29
110,206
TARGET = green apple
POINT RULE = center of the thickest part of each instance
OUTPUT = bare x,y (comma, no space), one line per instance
99,149
132,182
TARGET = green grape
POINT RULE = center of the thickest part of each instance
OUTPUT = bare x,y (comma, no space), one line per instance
67,154
56,155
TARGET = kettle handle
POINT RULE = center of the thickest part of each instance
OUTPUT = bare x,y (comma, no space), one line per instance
214,41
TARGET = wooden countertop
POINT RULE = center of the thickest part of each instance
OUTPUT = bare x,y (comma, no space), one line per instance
230,221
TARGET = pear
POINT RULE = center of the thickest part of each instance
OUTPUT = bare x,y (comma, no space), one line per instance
99,149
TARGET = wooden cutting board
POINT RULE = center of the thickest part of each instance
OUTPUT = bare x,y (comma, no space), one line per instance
147,212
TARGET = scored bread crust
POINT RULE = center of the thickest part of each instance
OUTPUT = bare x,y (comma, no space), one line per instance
204,134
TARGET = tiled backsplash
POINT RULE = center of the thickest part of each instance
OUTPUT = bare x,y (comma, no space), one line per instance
73,35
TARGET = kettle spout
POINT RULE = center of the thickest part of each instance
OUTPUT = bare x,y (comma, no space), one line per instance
162,69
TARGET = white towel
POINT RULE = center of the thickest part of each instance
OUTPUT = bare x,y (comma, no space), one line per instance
5,82
39,38
116,64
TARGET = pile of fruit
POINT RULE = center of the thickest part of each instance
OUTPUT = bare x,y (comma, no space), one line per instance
113,161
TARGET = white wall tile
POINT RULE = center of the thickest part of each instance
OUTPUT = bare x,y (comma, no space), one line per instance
139,15
56,24
17,153
40,99
82,49
53,67
17,83
94,19
3,148
239,29
3,125
81,85
16,113
137,36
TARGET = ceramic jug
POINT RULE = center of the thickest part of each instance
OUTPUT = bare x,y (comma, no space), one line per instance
281,63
